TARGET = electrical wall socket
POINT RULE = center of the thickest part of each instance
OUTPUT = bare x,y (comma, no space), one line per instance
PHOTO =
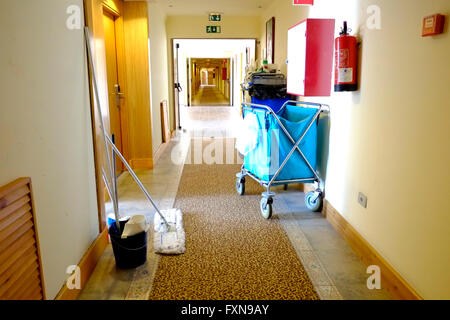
362,200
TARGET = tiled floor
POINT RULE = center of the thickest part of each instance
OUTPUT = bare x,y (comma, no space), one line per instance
333,267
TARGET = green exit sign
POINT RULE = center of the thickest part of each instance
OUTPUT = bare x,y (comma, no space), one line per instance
215,17
213,29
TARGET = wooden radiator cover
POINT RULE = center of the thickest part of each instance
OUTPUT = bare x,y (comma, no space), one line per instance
21,275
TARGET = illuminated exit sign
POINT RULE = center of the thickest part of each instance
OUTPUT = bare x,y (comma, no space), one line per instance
303,2
213,29
215,17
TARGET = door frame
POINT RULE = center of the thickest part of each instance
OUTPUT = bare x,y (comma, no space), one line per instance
93,11
175,83
172,71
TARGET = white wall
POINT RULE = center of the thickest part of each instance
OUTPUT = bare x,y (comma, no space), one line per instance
390,139
45,130
159,82
158,66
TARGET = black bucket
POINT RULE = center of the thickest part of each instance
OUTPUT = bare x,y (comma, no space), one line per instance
130,252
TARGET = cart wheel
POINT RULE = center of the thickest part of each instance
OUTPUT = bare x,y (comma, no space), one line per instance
313,202
240,186
266,208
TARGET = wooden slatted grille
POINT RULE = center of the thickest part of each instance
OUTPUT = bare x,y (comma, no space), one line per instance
20,264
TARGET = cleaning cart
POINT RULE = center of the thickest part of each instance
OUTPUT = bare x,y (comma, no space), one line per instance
286,151
266,88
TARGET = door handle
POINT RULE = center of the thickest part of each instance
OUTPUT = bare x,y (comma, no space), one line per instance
118,94
117,90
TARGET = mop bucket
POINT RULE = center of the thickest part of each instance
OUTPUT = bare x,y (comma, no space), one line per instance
130,252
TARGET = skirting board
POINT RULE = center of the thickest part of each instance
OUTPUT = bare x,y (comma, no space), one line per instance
87,266
390,279
145,163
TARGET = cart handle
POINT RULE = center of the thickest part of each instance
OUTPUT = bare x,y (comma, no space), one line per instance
322,107
257,106
311,105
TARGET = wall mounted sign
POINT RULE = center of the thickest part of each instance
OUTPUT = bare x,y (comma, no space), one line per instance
433,25
213,29
215,17
303,2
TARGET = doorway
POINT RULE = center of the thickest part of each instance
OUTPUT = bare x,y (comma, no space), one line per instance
228,59
209,68
115,94
210,80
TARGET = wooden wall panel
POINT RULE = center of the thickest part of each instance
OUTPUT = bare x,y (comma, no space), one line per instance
21,276
137,55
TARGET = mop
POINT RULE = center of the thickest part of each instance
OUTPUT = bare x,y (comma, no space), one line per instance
169,236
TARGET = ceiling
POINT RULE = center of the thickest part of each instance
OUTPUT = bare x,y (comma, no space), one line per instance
226,7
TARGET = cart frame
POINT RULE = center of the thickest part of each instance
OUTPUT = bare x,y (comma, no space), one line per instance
313,199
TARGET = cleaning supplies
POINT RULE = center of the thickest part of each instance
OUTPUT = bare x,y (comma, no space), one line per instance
136,224
172,229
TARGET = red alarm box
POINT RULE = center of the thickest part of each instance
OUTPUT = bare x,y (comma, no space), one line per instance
303,2
433,25
310,58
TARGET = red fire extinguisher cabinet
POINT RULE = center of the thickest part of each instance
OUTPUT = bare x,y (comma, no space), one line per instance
310,58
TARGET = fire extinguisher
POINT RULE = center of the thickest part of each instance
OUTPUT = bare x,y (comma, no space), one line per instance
346,59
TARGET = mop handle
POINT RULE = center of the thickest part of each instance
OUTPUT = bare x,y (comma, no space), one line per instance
115,172
114,148
102,124
106,184
136,179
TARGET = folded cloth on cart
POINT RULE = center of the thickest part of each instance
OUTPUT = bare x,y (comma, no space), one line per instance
247,134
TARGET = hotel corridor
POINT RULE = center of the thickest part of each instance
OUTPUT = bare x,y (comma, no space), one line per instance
257,151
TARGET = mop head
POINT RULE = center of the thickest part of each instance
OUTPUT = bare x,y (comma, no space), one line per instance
169,240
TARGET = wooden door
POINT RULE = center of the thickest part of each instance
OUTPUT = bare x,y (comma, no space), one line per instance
114,93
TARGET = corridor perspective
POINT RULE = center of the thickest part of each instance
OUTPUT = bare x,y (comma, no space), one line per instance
207,155
210,82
